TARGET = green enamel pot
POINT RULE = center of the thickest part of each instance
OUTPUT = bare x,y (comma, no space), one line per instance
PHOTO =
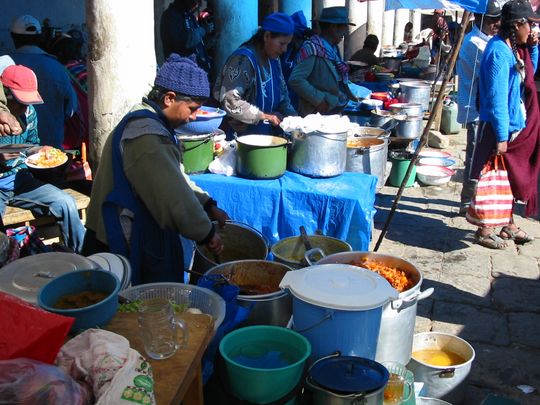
197,152
261,156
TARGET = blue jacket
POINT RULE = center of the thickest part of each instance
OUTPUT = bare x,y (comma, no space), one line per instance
60,100
500,88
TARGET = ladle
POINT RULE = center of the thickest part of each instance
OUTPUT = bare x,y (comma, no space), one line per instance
305,238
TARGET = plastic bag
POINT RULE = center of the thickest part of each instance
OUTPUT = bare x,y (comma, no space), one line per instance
493,200
29,331
226,163
235,314
103,360
30,382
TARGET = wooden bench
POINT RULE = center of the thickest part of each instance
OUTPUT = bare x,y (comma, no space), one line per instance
14,216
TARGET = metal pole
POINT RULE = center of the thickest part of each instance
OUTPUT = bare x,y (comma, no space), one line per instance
424,138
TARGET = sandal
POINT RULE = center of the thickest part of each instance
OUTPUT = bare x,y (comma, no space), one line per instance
492,241
514,235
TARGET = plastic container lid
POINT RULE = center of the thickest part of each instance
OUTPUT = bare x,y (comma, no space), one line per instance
347,374
339,286
25,277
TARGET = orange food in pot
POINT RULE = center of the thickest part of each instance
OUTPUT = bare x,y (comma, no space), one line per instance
396,277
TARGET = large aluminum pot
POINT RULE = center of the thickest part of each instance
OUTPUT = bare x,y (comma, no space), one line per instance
367,155
240,241
318,154
399,316
379,118
292,250
409,127
416,92
259,290
448,383
346,369
371,131
411,109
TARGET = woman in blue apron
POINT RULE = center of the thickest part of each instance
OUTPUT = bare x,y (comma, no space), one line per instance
251,87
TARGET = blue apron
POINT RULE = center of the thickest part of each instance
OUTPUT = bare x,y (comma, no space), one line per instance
268,93
155,254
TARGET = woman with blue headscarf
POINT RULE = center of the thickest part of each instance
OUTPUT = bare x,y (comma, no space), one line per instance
251,87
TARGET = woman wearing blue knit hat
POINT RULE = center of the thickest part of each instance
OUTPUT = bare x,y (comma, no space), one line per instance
251,87
141,198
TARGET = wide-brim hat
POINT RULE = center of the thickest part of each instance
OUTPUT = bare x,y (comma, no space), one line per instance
335,15
517,10
493,9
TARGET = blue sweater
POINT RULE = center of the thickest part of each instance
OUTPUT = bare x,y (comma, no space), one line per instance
500,88
60,100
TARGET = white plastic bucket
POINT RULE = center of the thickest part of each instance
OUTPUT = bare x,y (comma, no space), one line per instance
338,307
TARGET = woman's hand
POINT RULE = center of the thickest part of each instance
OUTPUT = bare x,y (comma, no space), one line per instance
215,245
217,214
322,108
502,147
271,118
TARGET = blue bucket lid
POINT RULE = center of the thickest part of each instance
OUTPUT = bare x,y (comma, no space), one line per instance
348,374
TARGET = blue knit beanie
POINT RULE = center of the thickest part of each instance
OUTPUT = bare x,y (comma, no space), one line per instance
280,23
182,75
300,23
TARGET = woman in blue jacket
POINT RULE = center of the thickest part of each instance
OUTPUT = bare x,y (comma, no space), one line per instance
510,120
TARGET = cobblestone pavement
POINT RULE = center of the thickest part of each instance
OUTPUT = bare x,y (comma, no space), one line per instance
490,298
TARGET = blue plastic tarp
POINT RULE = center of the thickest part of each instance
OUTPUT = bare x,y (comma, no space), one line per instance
474,6
341,206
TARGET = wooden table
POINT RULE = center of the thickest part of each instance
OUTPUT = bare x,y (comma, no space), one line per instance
177,379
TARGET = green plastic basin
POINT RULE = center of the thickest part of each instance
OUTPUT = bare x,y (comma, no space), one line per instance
264,363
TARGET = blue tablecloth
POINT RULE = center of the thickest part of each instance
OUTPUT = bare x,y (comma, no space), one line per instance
341,206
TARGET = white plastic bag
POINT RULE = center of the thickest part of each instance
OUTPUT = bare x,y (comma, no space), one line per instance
226,163
118,374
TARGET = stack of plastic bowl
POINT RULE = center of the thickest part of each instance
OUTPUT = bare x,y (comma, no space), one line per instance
435,168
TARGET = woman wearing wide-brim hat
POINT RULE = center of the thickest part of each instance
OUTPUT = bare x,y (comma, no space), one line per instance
321,76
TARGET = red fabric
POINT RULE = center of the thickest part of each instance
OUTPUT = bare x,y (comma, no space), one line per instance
29,331
522,158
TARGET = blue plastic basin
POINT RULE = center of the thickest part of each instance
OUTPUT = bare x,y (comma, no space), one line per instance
203,124
78,281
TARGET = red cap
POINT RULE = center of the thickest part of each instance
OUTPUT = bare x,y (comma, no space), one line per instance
23,84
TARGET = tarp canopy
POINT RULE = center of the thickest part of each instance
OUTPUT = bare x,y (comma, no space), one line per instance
474,6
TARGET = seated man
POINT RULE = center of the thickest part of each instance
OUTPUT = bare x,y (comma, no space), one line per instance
17,185
367,53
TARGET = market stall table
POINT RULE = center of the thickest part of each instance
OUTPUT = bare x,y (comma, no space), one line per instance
341,207
177,379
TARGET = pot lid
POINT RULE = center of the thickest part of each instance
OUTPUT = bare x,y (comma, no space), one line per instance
347,374
339,286
24,277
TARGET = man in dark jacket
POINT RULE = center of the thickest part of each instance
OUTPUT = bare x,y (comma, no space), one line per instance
181,33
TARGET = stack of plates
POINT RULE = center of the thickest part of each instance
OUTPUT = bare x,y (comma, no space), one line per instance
116,264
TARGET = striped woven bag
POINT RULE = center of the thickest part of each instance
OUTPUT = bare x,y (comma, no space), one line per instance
493,201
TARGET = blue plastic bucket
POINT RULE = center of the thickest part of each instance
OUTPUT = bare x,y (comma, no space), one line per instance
338,307
352,333
264,363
